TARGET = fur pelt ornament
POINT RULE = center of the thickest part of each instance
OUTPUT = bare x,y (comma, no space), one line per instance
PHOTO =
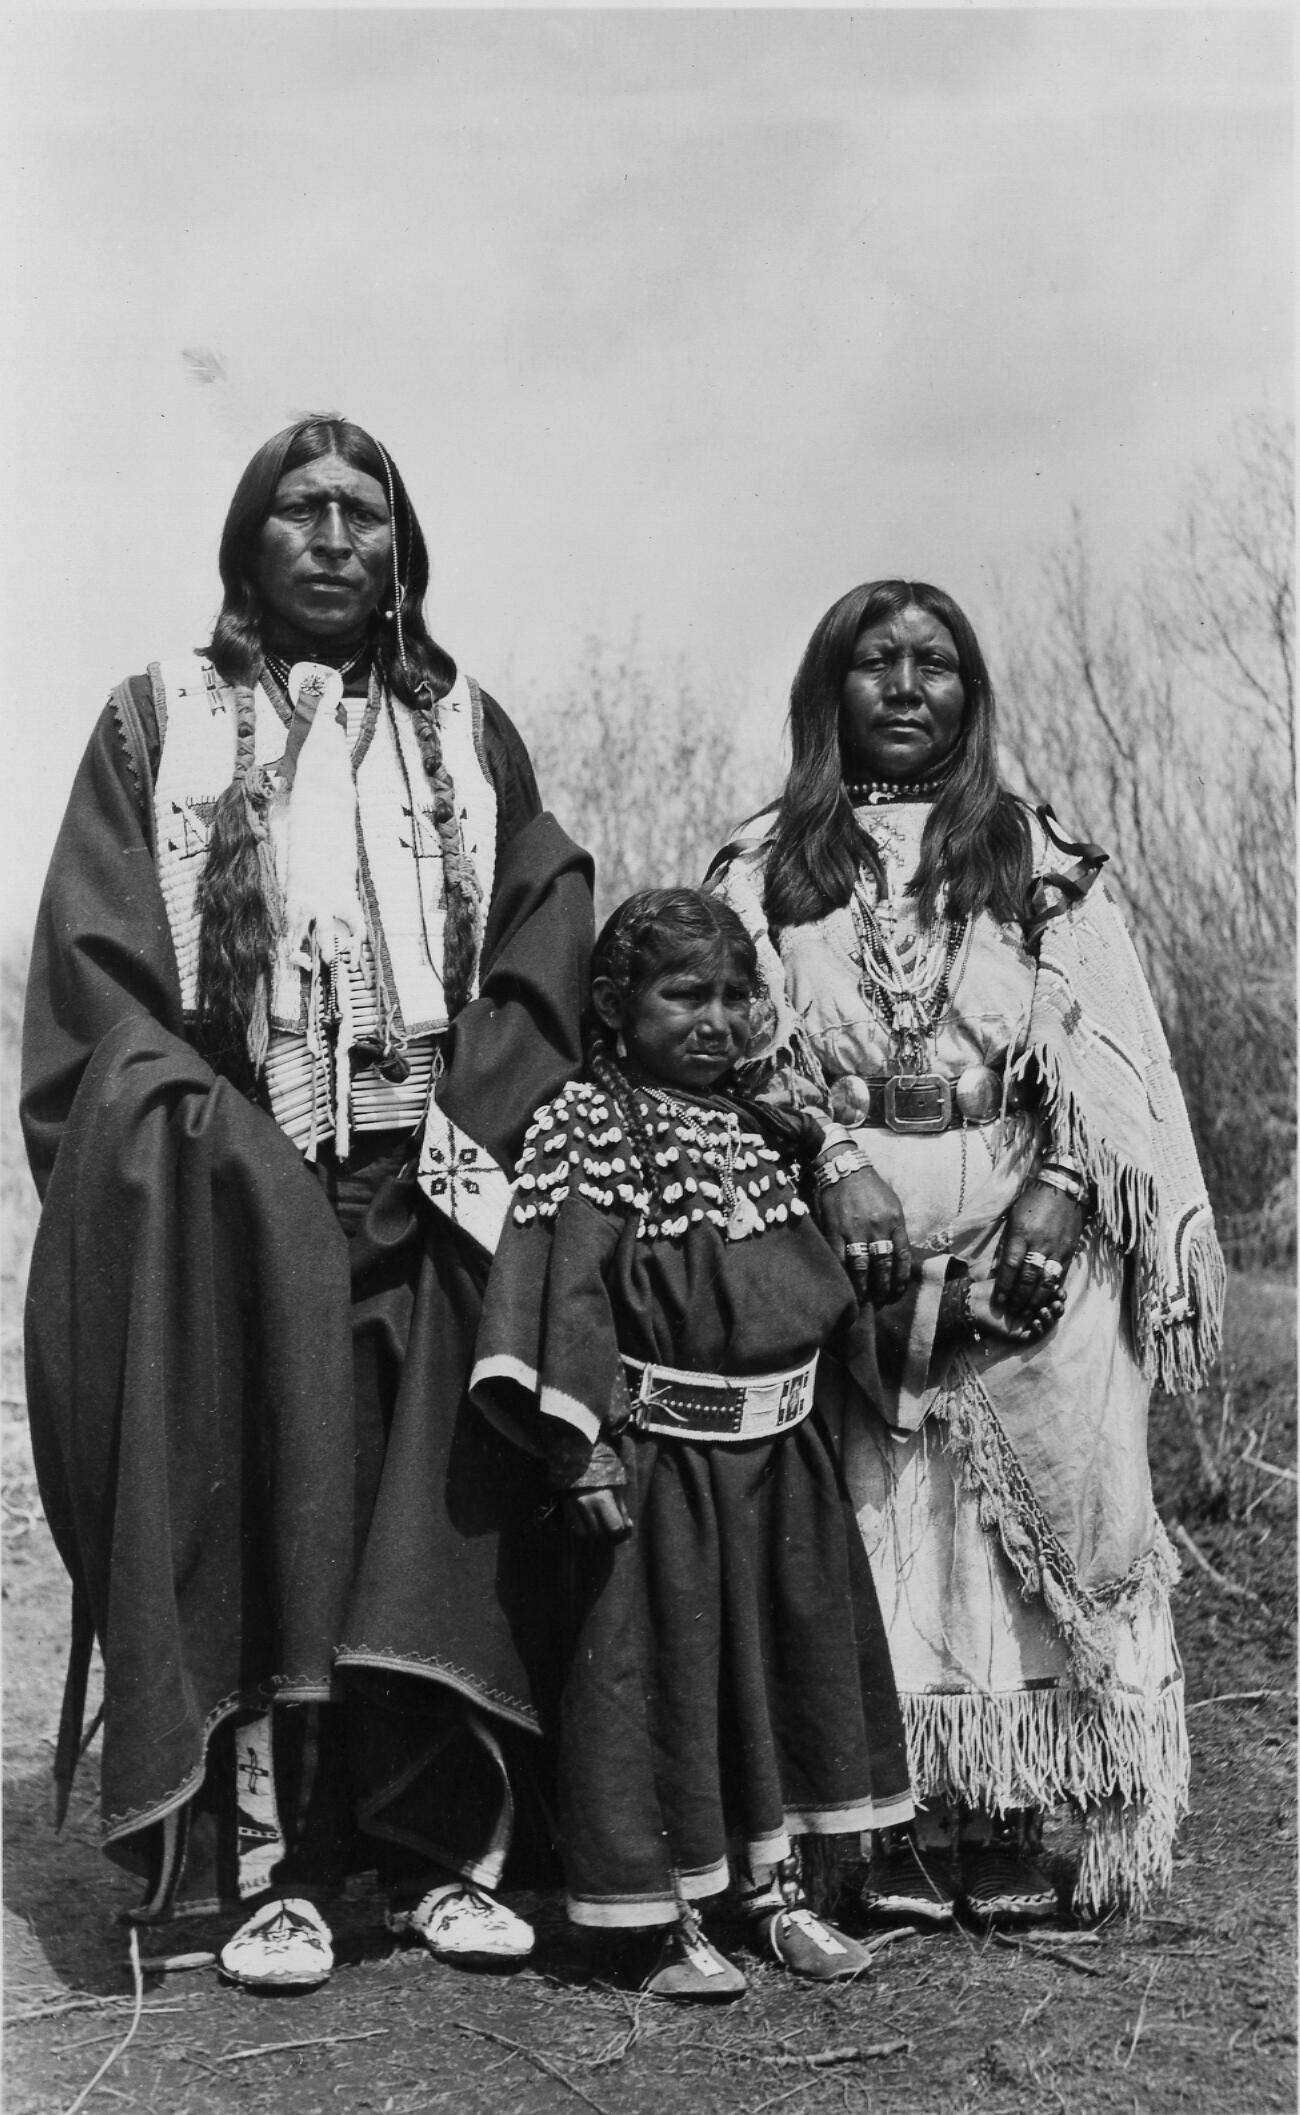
324,919
321,900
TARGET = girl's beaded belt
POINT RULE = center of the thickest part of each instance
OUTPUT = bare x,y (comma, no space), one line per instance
716,1406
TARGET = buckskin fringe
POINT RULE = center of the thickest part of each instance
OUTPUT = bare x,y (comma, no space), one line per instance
1094,1041
1088,1617
1121,1759
1178,1325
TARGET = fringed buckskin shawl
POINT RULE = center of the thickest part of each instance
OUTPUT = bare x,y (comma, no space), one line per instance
1096,1042
1050,1439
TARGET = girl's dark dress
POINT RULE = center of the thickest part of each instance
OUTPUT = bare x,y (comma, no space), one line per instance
727,1671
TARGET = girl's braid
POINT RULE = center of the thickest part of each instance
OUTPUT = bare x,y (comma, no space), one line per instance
606,1074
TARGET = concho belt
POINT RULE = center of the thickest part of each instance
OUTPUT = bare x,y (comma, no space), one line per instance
924,1101
678,1405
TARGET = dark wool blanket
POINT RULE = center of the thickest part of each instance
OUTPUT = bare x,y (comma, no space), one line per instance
251,1435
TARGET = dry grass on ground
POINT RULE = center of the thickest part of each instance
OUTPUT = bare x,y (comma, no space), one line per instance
1193,2008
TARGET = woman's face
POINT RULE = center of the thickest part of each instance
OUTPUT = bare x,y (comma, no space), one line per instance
325,554
687,1027
902,701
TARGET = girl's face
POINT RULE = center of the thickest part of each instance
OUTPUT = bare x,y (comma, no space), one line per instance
686,1026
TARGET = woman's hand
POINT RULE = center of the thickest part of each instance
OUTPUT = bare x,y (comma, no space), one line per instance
1044,1228
856,1212
597,1516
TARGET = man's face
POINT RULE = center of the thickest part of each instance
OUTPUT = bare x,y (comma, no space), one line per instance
326,552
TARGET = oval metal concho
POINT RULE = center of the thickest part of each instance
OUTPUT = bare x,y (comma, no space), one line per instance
977,1094
850,1101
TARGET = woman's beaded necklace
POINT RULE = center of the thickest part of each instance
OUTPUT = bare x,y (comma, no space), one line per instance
877,792
909,1001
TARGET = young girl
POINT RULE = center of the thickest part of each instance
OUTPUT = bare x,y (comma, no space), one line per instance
651,1329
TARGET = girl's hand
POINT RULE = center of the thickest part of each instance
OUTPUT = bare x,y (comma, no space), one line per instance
597,1516
862,1209
1044,1228
988,1321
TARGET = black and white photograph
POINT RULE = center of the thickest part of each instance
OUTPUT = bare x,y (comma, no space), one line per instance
648,1285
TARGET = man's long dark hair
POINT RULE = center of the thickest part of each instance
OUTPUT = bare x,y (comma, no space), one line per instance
976,848
237,644
237,921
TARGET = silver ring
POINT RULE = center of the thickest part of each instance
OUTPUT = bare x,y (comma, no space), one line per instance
857,1249
1053,1271
1035,1259
880,1248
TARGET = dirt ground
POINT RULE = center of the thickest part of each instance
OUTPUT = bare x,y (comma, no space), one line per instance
1193,2008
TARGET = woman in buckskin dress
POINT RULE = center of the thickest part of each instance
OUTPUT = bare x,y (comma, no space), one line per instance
309,957
1008,1168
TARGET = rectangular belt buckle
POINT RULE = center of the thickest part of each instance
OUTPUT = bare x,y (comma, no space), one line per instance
918,1101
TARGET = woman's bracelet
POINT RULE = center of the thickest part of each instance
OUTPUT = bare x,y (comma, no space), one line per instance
1055,1178
844,1160
1067,1164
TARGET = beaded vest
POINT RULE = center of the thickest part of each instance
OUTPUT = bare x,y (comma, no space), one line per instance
399,862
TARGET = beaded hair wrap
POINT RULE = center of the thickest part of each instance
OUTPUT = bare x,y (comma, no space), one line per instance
464,897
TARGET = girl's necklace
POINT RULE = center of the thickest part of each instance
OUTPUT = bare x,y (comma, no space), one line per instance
717,1153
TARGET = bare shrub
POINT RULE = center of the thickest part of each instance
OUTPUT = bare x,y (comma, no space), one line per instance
1161,720
641,768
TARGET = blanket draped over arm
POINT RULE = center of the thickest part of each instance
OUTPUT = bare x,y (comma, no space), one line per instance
190,1324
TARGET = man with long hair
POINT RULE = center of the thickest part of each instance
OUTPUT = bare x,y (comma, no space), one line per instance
308,958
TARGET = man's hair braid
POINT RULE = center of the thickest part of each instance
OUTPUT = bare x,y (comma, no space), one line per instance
463,898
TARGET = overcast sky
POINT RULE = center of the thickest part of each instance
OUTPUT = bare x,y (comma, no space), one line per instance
678,320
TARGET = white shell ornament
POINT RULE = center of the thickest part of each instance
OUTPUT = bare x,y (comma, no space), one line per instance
745,1218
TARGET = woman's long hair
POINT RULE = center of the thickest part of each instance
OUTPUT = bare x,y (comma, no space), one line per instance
976,847
238,918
